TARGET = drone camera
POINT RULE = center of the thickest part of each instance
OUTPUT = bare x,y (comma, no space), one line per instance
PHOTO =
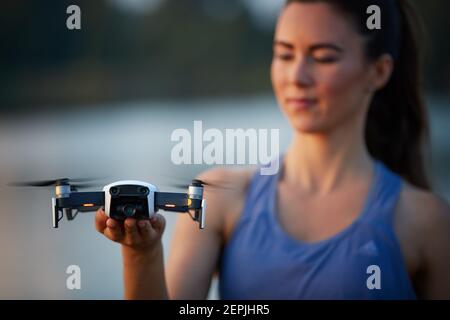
129,200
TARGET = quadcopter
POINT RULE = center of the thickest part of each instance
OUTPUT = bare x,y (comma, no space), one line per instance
122,199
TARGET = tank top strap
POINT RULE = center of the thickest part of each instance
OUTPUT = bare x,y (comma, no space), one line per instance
385,194
258,194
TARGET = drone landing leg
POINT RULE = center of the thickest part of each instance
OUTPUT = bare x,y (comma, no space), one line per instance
69,212
56,213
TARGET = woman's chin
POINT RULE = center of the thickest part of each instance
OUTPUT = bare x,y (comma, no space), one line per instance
307,127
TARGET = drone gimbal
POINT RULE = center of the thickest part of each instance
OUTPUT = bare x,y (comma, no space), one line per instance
127,198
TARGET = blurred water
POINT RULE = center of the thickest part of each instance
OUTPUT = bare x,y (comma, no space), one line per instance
129,141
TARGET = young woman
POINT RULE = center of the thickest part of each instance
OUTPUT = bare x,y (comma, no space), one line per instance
350,214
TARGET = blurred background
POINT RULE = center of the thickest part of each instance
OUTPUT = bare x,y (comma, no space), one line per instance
103,101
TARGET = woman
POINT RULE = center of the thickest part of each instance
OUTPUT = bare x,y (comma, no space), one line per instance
350,215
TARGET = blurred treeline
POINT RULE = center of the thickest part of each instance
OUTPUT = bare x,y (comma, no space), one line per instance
183,49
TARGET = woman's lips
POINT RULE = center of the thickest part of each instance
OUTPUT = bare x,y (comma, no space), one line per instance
301,103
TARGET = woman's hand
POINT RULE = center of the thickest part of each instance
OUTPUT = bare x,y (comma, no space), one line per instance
137,235
142,253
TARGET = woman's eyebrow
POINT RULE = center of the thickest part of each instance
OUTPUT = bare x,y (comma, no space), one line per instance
331,46
312,48
283,44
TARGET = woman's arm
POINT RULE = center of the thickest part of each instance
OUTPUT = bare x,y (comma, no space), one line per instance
195,254
425,221
142,254
436,249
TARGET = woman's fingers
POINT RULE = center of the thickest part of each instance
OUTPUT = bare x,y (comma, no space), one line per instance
145,229
131,232
100,220
158,223
132,236
114,230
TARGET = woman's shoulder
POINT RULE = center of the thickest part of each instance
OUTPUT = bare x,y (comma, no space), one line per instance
425,207
423,223
425,217
238,177
227,184
226,197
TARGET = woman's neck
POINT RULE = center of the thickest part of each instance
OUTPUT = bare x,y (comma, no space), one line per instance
321,163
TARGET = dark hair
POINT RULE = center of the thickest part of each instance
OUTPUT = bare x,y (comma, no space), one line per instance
396,130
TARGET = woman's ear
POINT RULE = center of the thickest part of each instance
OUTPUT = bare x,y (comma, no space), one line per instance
382,71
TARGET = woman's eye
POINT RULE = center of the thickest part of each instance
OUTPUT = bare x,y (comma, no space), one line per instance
283,56
326,59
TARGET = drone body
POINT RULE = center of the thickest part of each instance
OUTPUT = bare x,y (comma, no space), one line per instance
127,198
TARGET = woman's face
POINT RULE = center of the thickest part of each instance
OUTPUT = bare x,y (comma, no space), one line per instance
319,73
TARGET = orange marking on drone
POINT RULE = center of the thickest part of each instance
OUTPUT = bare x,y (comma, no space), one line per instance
88,205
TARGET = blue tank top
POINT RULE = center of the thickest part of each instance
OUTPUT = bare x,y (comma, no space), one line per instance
363,261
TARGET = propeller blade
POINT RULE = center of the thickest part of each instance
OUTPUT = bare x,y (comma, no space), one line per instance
43,183
76,186
211,184
206,184
179,185
86,179
48,183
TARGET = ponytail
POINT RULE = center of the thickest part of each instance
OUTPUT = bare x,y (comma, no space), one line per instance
397,124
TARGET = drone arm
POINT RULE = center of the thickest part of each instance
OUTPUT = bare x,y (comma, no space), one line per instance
82,200
170,201
180,202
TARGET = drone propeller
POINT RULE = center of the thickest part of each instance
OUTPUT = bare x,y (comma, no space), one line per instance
217,185
55,182
76,186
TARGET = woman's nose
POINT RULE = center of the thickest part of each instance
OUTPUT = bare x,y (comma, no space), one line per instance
301,73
